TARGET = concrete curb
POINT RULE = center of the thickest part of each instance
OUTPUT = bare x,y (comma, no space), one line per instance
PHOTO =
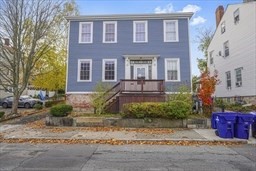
181,142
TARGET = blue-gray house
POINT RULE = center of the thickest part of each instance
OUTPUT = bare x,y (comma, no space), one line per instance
145,54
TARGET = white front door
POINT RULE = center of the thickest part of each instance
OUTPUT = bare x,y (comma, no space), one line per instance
141,71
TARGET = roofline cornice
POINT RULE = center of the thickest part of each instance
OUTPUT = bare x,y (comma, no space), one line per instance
130,16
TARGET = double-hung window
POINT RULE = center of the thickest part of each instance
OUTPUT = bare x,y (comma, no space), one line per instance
84,70
211,57
140,31
236,16
109,69
172,69
110,32
228,78
226,49
171,31
238,72
85,32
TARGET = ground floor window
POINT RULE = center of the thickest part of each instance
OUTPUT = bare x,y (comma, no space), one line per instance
109,70
228,79
238,72
84,70
172,69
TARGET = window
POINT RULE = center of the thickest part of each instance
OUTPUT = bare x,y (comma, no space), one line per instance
236,16
171,31
223,27
172,69
110,32
211,57
85,32
140,31
228,78
238,72
226,49
84,70
109,69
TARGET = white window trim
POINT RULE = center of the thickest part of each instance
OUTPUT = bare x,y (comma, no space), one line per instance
104,31
79,69
178,68
103,70
177,30
225,49
134,31
80,31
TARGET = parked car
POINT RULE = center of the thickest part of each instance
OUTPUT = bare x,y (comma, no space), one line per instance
24,101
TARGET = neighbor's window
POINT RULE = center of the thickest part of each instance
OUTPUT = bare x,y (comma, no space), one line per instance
226,49
223,27
211,57
84,70
110,32
228,78
171,31
85,32
109,69
140,31
236,16
238,72
172,69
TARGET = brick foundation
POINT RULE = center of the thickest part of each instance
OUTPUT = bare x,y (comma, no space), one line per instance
80,102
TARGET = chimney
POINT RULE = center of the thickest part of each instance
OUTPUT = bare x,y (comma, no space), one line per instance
6,42
219,13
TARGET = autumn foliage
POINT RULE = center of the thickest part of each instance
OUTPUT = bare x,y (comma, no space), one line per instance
207,88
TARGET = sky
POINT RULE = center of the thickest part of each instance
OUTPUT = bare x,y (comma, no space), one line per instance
204,14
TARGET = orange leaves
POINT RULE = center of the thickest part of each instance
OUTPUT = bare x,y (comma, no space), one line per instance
119,142
207,88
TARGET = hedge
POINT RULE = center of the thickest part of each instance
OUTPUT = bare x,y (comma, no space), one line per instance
52,103
61,110
173,110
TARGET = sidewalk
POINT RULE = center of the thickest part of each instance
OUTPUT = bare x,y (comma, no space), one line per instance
38,131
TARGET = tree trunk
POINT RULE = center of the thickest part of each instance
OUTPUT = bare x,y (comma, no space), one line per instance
15,105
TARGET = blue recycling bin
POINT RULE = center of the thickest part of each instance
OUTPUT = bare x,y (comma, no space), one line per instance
225,124
213,118
242,126
254,125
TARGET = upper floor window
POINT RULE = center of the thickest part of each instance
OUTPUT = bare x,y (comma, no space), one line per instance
109,69
226,49
84,70
238,72
236,16
223,27
211,57
110,32
228,79
140,31
85,32
172,69
171,31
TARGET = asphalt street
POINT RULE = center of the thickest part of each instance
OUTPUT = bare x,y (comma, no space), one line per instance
55,157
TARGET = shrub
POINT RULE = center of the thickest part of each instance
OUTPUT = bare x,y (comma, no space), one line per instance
61,110
2,114
172,110
52,103
38,106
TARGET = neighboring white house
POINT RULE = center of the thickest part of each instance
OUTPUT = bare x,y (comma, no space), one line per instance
232,52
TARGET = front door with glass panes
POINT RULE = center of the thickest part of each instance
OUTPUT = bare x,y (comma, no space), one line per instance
141,71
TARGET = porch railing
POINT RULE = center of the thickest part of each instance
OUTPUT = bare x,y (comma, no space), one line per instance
142,86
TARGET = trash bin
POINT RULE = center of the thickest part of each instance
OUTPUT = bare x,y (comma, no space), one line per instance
213,120
242,126
254,126
225,124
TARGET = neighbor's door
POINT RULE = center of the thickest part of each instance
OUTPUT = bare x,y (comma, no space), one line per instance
141,72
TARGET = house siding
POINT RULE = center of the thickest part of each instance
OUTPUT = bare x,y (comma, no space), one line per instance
242,52
125,46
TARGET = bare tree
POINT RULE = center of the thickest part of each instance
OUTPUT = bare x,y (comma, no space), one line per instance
27,23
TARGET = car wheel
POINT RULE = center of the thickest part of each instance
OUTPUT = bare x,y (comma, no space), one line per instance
5,105
27,105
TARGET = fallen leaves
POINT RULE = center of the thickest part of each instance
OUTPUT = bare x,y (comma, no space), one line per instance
121,142
40,124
